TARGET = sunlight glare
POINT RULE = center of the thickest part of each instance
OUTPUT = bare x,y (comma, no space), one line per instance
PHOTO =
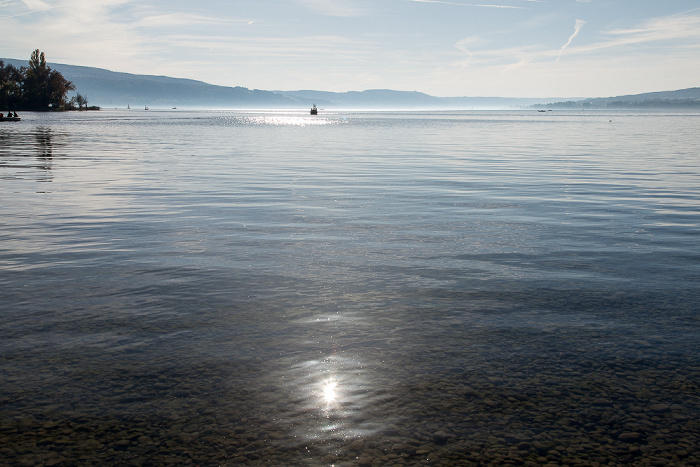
329,392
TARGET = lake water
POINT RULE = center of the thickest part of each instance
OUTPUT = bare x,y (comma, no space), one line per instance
356,288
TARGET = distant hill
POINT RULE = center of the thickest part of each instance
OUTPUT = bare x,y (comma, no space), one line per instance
682,98
114,89
388,99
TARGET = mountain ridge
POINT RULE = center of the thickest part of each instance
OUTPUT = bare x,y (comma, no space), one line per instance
681,98
111,88
108,88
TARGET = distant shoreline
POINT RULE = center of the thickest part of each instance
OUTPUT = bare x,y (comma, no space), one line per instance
115,89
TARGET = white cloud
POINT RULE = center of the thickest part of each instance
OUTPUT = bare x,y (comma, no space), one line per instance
184,19
661,29
471,4
36,5
24,7
81,32
468,43
671,34
251,44
343,8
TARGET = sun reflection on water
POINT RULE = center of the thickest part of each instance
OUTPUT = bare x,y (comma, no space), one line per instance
282,120
329,394
330,400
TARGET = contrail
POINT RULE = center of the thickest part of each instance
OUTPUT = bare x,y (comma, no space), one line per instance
577,28
22,14
35,6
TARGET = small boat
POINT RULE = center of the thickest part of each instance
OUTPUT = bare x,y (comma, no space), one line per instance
314,110
10,119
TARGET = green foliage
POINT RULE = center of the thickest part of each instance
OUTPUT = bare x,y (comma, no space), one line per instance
79,101
11,80
36,87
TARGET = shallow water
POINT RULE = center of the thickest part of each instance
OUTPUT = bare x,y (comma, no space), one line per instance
387,288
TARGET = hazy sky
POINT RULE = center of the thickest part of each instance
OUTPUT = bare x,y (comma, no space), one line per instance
510,48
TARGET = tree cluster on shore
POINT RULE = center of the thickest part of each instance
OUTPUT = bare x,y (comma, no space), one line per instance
36,87
685,103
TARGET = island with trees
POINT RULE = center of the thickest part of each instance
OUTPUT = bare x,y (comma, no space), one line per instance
37,87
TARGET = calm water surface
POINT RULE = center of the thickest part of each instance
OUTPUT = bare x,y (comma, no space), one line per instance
427,288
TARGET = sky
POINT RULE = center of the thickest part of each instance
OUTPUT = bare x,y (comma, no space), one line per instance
448,48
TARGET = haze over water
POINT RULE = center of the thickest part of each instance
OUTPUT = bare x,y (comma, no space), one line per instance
379,288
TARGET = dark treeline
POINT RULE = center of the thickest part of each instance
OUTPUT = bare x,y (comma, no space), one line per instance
35,87
624,104
656,104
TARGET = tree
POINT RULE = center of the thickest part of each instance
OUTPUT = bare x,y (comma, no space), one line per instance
57,89
10,86
44,88
79,101
36,87
35,81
